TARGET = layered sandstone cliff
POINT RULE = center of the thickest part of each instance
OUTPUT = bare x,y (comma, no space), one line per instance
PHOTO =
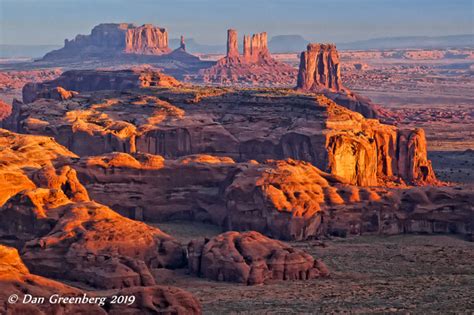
255,67
320,68
95,80
290,200
107,40
259,124
62,233
15,278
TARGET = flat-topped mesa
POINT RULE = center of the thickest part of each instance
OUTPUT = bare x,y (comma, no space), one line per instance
320,68
112,39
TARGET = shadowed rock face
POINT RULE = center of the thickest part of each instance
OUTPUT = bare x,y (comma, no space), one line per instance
107,40
251,258
15,278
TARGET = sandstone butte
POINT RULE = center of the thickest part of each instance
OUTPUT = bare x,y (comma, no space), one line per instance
111,39
242,124
255,67
115,45
284,199
320,72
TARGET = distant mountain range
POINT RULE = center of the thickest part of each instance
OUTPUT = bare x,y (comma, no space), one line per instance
281,44
405,42
27,51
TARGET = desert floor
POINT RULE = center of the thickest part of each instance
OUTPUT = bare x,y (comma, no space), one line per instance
370,274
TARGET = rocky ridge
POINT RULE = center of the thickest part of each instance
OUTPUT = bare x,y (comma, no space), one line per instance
290,200
251,258
241,124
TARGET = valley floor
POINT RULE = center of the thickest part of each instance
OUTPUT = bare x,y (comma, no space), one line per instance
420,274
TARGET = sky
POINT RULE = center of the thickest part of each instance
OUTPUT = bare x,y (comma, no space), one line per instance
39,22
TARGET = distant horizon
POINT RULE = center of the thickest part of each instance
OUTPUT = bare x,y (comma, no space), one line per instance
49,22
177,37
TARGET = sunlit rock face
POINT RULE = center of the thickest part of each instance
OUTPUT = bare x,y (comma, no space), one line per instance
61,233
152,113
109,39
255,67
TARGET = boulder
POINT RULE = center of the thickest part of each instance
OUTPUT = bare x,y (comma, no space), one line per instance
15,278
251,258
320,68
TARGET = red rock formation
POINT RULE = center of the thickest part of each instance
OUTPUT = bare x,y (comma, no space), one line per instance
157,300
251,258
232,47
363,151
15,278
5,110
320,71
320,68
258,47
95,80
65,234
255,67
147,40
108,40
414,164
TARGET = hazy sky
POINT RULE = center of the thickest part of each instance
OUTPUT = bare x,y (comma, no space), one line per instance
51,21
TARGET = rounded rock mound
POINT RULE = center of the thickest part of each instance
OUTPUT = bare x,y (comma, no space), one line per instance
251,258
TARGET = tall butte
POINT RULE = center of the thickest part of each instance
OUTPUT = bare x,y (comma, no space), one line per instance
320,72
111,39
255,67
320,68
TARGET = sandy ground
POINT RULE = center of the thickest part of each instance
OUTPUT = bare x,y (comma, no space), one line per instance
418,274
